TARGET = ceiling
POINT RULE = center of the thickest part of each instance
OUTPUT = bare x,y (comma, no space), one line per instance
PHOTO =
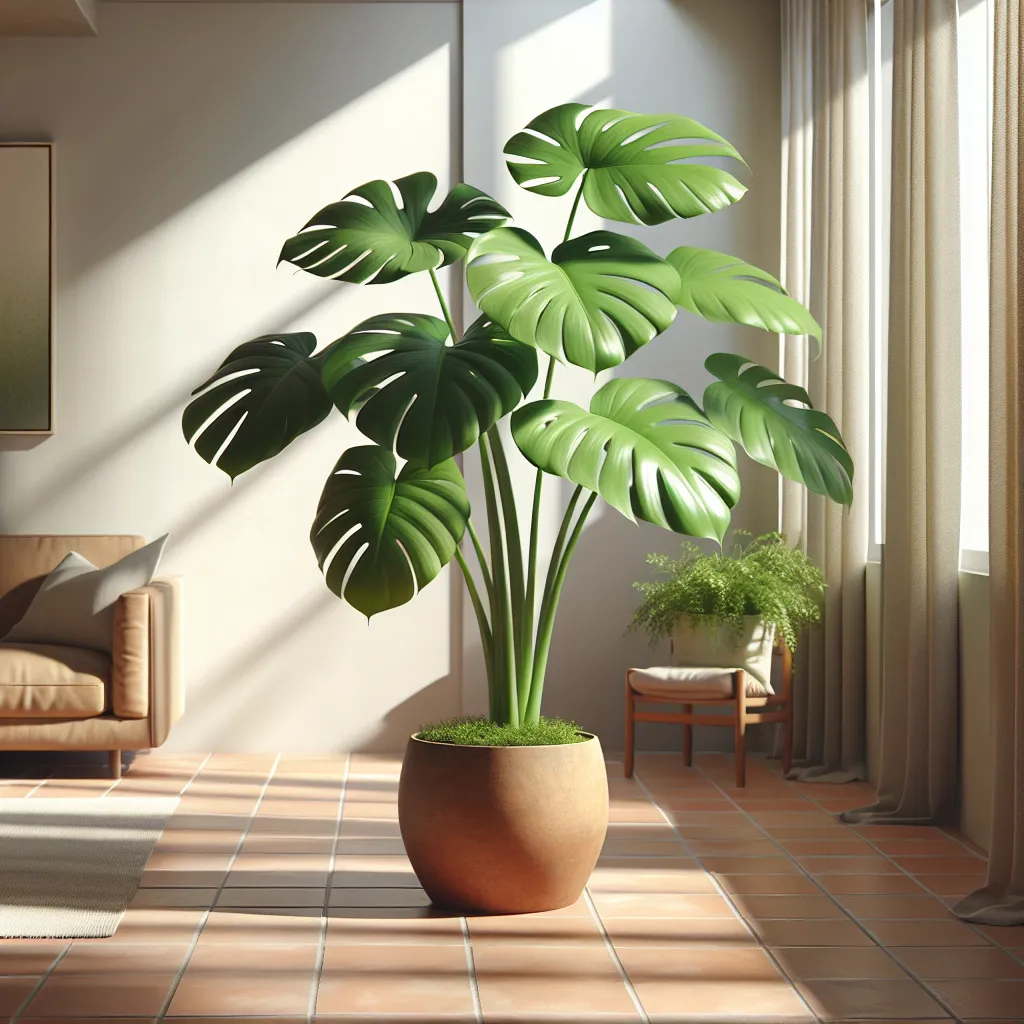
47,17
79,17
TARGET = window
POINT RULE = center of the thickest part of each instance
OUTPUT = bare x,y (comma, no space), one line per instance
880,30
975,33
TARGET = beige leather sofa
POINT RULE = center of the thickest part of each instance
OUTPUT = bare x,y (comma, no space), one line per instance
68,698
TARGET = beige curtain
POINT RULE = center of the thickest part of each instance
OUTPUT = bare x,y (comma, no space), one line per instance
918,772
1002,899
825,263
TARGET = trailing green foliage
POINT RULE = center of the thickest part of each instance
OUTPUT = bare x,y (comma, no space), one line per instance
761,576
482,732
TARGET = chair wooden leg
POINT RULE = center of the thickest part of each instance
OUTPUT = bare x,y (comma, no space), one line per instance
115,763
740,755
687,738
787,741
741,750
630,729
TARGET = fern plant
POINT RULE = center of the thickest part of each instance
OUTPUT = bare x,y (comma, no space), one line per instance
394,511
761,576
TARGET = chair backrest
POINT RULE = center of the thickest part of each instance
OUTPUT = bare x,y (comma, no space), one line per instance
25,561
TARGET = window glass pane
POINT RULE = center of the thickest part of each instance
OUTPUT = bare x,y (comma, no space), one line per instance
880,35
974,69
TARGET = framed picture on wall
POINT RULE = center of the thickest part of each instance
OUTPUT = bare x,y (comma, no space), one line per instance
26,288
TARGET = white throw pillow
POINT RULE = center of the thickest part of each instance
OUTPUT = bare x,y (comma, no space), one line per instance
75,605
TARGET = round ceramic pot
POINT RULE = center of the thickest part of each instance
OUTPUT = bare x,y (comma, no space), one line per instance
503,830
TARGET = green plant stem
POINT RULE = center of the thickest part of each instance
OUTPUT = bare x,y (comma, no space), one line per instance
575,206
529,677
504,698
478,608
513,552
549,606
485,571
444,305
528,642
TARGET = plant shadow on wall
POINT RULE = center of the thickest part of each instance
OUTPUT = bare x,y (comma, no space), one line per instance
394,512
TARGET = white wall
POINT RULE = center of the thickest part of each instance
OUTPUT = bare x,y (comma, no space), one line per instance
713,61
192,139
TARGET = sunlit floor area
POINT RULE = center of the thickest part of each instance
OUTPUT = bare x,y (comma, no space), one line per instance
281,889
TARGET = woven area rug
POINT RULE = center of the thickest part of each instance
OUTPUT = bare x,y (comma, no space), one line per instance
69,868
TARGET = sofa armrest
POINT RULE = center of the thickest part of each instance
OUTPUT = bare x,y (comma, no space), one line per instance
147,662
130,656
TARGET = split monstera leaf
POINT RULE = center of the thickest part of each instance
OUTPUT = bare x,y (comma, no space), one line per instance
394,512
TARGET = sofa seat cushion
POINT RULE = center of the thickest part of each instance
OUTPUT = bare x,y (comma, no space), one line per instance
686,684
50,681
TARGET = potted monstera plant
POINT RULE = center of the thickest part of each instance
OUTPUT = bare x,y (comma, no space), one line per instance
510,814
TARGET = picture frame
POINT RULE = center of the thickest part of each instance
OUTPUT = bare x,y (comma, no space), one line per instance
26,289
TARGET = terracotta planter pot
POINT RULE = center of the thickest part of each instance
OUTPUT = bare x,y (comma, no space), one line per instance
503,830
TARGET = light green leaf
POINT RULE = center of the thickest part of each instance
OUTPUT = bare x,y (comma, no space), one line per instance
594,303
777,426
380,538
269,389
418,395
638,165
376,241
645,447
724,289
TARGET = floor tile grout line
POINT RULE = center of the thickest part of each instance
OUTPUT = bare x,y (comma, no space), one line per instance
39,785
860,924
474,986
165,1006
728,897
44,978
46,974
914,878
321,951
881,853
181,791
614,954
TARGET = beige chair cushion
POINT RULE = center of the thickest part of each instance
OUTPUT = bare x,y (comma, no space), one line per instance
686,684
43,681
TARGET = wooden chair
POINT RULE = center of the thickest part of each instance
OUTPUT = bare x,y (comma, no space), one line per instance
747,703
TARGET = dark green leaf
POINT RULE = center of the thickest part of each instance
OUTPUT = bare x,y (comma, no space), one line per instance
432,399
637,165
755,407
379,539
724,289
594,303
645,447
376,242
271,387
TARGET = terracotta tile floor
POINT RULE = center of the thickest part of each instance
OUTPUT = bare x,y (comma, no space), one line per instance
281,891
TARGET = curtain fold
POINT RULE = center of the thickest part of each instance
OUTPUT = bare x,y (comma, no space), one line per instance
1001,901
826,246
918,769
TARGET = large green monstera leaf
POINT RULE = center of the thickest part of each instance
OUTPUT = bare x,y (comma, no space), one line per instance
367,239
428,400
594,303
264,395
380,538
724,289
755,407
645,447
637,165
